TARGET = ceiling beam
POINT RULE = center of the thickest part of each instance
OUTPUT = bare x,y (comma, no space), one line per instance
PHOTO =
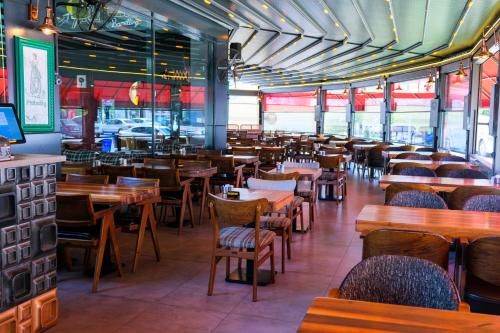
257,14
200,10
281,49
356,5
331,14
266,43
293,55
306,15
234,15
284,18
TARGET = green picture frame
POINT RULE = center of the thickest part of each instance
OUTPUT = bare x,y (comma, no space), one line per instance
35,84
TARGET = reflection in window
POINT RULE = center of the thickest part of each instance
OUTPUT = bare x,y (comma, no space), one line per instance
453,136
410,112
335,107
243,110
291,112
366,118
489,75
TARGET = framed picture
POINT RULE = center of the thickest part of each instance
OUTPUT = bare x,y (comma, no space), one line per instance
35,84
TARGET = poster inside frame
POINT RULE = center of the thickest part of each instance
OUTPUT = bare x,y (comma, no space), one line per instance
35,84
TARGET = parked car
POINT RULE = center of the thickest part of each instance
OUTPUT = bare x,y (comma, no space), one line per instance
142,121
70,129
97,124
114,125
144,131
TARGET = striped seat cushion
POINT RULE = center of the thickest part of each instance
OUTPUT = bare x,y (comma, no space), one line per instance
80,156
244,238
111,158
275,222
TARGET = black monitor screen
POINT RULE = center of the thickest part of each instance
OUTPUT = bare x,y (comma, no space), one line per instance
9,124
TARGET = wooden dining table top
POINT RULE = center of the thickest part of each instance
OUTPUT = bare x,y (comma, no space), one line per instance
243,159
393,154
314,174
328,314
111,193
365,146
339,142
447,222
277,199
441,184
432,164
191,170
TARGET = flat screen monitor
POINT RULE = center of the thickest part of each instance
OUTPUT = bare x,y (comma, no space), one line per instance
10,127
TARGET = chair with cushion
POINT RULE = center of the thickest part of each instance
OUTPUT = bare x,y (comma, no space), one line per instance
439,156
304,151
419,244
237,233
80,156
281,225
412,169
482,282
395,188
413,156
458,198
159,162
240,150
483,203
331,150
332,176
417,199
452,158
444,169
374,161
87,179
466,173
114,158
426,149
174,193
114,171
205,153
81,226
400,280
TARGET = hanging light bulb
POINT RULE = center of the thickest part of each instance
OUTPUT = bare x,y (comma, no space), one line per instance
483,53
48,27
259,96
379,86
346,91
431,79
316,91
461,72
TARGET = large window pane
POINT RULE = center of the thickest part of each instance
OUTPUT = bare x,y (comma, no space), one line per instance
366,122
489,74
335,107
243,110
292,112
453,136
410,106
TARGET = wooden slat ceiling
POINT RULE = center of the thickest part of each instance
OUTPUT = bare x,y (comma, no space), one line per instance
305,41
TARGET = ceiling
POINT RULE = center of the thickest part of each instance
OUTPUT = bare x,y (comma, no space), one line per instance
287,42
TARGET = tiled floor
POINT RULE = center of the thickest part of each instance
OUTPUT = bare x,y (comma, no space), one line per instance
170,295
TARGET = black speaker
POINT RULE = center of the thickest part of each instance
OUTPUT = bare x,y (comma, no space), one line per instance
235,51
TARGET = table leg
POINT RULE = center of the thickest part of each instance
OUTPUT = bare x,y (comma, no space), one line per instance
140,237
245,275
153,227
204,192
114,243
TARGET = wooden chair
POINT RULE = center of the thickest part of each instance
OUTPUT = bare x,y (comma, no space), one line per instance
332,175
227,172
269,156
174,192
232,239
482,268
332,150
114,171
424,245
427,149
458,198
87,179
412,169
251,151
80,226
304,151
439,156
443,170
206,153
374,161
161,162
144,221
76,168
413,156
396,188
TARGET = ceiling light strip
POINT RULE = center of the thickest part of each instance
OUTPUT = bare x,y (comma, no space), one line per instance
460,21
356,5
257,14
392,16
284,18
250,38
306,15
318,54
234,15
335,19
201,10
301,51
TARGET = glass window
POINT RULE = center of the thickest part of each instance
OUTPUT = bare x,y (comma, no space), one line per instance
243,110
410,116
366,118
291,112
489,76
108,89
453,136
335,107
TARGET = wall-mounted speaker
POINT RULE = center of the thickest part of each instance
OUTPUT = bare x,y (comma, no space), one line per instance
434,117
235,52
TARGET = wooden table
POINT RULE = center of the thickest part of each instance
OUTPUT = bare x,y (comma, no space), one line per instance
338,315
305,173
243,159
144,196
191,170
433,165
277,200
339,143
447,222
439,184
366,146
393,154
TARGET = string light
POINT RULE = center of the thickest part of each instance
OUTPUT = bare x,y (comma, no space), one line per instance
461,72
